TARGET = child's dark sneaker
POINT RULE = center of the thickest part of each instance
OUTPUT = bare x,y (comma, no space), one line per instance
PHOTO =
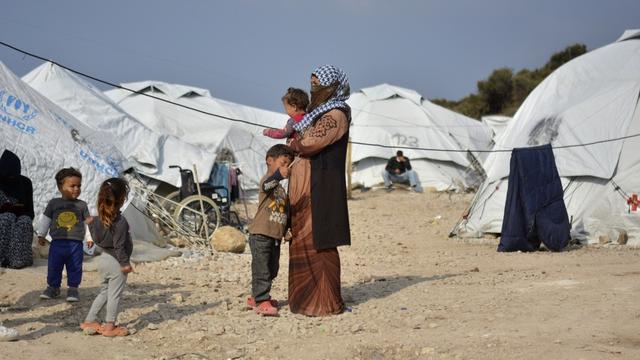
50,293
265,308
72,295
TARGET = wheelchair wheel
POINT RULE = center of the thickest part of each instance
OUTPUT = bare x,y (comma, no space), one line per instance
168,205
189,215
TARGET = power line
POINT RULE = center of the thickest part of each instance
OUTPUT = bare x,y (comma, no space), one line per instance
127,89
264,126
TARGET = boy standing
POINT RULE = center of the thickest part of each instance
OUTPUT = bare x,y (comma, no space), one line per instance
267,229
65,220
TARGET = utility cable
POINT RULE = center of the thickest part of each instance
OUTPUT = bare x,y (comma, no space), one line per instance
264,126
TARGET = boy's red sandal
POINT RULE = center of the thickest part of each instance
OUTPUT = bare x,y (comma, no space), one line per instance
251,303
265,308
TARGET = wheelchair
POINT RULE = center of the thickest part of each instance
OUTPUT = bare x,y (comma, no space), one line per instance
210,209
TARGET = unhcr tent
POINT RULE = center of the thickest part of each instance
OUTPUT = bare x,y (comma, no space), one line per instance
46,138
244,143
391,115
588,110
149,152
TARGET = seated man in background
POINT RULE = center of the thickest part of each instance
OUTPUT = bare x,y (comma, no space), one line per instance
398,170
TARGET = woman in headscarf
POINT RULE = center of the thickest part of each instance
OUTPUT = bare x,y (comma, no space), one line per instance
16,214
318,197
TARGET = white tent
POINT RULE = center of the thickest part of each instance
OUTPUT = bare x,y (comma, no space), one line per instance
497,124
150,152
246,142
46,138
590,100
391,115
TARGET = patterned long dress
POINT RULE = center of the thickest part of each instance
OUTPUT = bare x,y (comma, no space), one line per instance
314,275
16,236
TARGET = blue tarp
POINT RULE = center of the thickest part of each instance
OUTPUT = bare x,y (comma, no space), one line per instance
534,211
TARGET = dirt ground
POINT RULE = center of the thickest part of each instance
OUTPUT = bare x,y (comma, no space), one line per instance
412,293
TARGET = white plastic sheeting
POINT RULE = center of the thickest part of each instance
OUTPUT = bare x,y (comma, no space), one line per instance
246,142
592,98
46,138
150,152
395,116
497,124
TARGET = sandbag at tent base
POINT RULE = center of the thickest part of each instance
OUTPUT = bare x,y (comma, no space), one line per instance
534,212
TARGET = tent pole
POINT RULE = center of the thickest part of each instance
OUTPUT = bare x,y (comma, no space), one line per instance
349,169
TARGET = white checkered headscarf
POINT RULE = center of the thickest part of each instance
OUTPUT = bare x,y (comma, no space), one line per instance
327,74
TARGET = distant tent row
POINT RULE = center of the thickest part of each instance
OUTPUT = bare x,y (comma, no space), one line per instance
589,111
150,152
395,116
244,143
155,134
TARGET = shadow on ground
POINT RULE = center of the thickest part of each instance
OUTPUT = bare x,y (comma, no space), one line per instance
67,319
383,286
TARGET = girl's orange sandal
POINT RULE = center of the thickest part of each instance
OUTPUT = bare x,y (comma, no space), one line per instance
115,331
91,325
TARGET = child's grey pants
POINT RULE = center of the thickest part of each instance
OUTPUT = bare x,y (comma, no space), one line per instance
112,282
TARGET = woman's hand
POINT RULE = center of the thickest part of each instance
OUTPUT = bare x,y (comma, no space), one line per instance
126,269
284,171
89,244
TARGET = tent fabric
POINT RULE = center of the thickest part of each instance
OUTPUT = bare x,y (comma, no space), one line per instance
213,134
591,98
150,152
534,211
392,115
497,124
46,138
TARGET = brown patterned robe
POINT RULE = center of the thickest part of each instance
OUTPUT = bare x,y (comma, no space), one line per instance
314,275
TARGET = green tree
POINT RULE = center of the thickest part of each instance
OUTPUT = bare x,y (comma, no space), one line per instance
523,83
503,92
497,90
473,106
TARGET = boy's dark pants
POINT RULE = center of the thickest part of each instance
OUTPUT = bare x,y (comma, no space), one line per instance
65,253
265,262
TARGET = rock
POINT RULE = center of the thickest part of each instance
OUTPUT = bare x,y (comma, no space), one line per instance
427,350
8,334
604,239
356,328
152,326
177,298
228,239
623,237
217,330
234,354
89,331
178,242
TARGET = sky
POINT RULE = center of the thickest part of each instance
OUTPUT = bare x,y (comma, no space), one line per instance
251,51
